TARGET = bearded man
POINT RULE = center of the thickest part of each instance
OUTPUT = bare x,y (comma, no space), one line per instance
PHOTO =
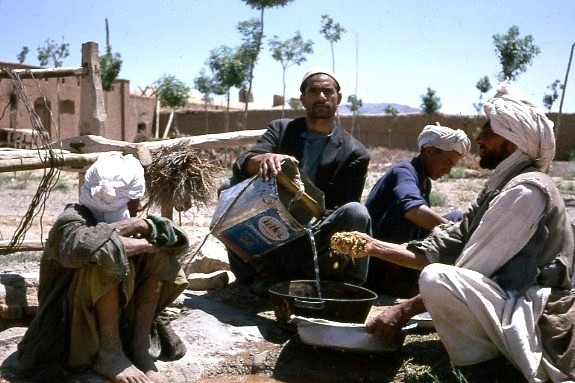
499,284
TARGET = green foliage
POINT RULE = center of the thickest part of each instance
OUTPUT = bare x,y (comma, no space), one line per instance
22,55
295,104
430,102
290,52
483,86
456,173
437,199
171,91
549,99
110,64
332,32
355,103
514,53
252,34
228,67
206,85
56,53
392,111
262,4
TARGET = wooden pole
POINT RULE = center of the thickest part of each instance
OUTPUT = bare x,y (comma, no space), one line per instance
168,125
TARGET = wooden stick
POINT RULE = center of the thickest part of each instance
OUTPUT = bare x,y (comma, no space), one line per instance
24,246
292,189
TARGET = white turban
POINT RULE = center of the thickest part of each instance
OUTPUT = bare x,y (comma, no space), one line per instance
523,123
444,138
110,183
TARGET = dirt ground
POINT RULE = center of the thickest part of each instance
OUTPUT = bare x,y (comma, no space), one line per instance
230,335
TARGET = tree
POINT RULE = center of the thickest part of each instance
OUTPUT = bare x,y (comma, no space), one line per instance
53,52
289,52
248,54
392,111
256,43
355,104
549,99
229,71
206,85
22,55
110,64
483,86
332,32
172,92
430,102
514,53
295,104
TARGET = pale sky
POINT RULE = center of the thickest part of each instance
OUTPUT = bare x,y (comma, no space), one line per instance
395,49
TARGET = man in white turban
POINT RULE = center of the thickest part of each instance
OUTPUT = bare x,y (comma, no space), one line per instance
104,276
400,207
499,284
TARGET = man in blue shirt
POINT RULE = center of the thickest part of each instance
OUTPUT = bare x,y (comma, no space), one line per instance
399,204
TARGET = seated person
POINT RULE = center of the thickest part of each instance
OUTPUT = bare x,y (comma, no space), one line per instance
335,162
399,204
499,283
103,278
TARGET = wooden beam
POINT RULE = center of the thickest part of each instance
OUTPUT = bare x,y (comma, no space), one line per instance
46,73
93,143
76,162
24,246
96,144
81,152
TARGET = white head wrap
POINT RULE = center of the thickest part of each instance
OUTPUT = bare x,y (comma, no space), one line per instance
444,138
315,71
523,123
110,183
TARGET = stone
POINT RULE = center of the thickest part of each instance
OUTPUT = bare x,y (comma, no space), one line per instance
208,281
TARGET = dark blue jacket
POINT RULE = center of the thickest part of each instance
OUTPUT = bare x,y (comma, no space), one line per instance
399,190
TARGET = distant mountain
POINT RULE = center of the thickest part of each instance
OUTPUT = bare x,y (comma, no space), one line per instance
370,108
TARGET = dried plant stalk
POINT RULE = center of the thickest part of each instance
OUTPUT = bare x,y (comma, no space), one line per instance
348,243
181,176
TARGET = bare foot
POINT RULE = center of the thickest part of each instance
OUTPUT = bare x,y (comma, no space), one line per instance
145,363
119,369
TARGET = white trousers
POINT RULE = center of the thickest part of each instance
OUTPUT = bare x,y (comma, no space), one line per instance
477,321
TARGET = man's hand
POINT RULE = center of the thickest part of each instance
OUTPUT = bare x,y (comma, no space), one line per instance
132,227
389,323
267,165
162,232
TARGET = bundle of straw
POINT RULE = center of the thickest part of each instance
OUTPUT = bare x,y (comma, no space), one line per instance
181,176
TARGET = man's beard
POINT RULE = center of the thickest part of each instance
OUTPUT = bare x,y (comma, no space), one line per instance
491,160
323,112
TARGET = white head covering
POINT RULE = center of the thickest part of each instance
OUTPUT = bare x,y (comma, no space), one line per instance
110,183
522,123
315,71
444,138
